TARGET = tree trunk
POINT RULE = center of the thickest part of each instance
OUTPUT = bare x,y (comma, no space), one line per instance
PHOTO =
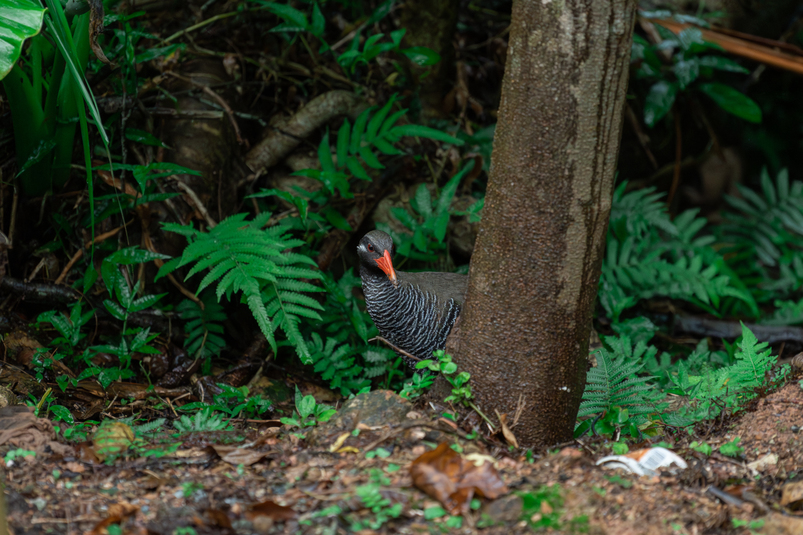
536,264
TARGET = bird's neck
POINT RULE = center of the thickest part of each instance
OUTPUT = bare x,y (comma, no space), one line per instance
376,278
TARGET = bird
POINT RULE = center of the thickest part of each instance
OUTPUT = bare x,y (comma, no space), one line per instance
414,312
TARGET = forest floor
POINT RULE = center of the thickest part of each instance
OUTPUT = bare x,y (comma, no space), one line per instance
263,478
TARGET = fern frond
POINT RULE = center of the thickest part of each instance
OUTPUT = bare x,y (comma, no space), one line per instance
242,257
615,383
203,327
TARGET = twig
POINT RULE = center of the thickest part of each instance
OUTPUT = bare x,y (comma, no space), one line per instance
201,25
80,252
217,98
396,349
195,200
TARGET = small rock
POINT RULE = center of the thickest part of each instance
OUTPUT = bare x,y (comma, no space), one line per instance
374,409
505,509
792,495
760,465
795,429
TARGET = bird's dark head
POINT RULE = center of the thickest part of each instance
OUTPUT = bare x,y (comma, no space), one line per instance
376,249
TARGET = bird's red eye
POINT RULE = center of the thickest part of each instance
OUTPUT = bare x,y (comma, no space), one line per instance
370,248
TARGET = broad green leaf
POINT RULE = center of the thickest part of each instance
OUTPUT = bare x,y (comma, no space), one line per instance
141,136
353,165
359,130
421,55
337,220
422,202
343,143
318,21
293,16
376,120
306,407
686,71
427,132
733,101
659,101
448,191
133,255
325,155
19,20
722,64
370,158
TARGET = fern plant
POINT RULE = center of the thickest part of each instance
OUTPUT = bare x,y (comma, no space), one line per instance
764,233
428,222
340,349
357,147
204,420
203,327
615,395
650,255
729,387
243,258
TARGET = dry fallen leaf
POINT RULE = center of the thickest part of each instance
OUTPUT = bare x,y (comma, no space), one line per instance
118,512
508,434
452,480
270,509
238,456
337,444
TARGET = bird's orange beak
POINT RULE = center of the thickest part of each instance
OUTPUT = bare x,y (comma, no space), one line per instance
386,265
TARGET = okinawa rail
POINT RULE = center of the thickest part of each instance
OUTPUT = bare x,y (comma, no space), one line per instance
413,311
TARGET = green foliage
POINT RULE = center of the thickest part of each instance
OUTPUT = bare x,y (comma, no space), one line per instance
203,327
732,448
242,257
689,66
69,327
615,396
309,412
295,20
764,234
649,255
15,453
234,401
538,500
339,349
372,48
417,385
371,497
357,147
702,447
461,390
47,92
21,19
429,222
204,420
729,387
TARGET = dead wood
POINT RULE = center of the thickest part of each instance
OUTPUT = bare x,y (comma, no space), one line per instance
307,120
733,329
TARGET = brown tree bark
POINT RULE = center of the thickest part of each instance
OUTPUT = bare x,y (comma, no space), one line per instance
536,264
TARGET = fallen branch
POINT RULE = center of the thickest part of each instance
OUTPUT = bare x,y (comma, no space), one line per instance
307,120
733,329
